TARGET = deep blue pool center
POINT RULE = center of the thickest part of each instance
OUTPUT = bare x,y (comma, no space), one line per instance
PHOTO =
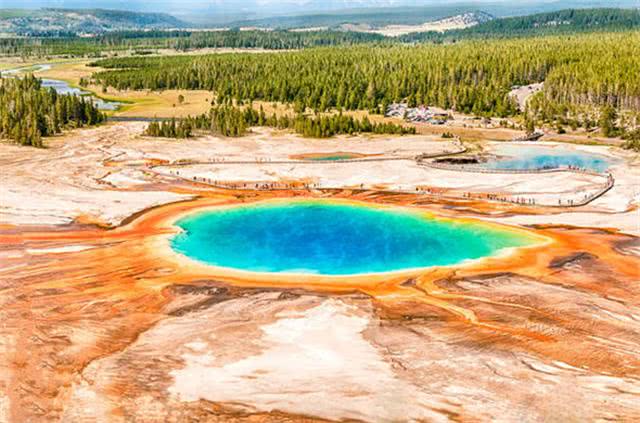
333,238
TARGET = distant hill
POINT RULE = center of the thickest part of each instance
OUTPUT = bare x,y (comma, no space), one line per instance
562,21
465,20
371,17
376,17
286,14
50,21
569,19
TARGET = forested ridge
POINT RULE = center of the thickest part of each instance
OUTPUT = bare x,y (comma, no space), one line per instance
471,76
376,17
29,112
379,17
570,21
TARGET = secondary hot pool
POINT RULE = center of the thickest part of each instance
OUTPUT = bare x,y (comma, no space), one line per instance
543,157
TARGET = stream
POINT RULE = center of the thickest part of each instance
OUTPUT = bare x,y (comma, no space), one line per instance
62,87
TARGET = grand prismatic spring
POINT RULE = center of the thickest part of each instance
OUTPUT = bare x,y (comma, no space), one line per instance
349,228
334,239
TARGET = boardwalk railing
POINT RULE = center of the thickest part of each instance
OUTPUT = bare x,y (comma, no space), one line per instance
422,160
610,182
304,161
436,192
480,169
458,149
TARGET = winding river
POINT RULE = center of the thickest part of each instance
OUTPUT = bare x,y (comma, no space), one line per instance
63,87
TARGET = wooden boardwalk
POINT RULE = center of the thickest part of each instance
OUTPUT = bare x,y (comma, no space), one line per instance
423,160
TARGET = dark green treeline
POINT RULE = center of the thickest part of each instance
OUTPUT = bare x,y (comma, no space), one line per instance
569,21
181,40
231,121
471,77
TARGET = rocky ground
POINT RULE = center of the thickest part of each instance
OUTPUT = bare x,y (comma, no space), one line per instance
101,323
522,93
106,174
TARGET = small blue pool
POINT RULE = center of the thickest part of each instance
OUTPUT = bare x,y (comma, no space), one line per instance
543,157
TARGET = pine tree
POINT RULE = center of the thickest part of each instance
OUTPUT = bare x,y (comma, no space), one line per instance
608,118
30,112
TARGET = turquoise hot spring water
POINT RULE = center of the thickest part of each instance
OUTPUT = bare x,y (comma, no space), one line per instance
335,238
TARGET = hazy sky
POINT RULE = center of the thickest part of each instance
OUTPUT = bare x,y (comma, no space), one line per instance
253,7
166,5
